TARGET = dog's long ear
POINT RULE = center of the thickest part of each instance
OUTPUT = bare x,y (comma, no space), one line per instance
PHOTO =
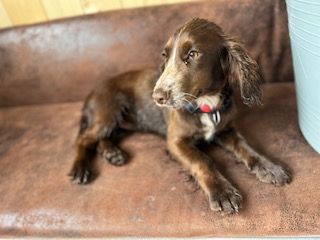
241,70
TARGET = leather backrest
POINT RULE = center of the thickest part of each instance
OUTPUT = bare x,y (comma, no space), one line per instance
60,61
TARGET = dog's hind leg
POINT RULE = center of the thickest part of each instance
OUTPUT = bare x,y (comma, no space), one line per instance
111,152
100,117
82,169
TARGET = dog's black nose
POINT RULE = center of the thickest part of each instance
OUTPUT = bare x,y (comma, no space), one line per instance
161,96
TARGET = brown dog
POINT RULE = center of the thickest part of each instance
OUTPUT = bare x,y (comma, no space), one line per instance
194,92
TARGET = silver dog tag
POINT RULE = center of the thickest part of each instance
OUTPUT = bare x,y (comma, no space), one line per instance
216,117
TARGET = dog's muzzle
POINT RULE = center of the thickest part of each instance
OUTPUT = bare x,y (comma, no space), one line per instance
160,96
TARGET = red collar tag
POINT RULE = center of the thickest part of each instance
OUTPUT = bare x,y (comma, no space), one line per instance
205,108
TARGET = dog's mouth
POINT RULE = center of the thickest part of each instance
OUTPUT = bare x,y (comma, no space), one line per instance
180,104
205,103
177,100
170,104
165,105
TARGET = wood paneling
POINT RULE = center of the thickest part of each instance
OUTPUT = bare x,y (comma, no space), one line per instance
153,2
18,12
24,11
93,6
61,8
131,4
4,18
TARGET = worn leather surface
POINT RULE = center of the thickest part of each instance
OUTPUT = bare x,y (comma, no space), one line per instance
149,196
54,65
60,61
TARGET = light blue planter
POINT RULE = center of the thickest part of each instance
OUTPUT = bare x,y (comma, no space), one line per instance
304,29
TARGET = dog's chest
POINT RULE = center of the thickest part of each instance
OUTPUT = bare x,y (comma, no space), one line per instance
208,127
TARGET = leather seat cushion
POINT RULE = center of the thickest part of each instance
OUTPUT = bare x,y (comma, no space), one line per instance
150,195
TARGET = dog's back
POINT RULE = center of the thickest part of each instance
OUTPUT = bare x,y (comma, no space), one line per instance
124,101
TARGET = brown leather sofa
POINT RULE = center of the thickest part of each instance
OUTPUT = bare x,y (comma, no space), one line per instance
46,70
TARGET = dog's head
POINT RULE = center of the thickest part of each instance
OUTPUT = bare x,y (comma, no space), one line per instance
200,60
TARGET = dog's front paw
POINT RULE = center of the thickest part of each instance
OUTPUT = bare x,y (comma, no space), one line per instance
270,172
115,156
225,199
80,173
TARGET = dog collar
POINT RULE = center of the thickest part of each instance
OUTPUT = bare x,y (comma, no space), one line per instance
205,108
192,107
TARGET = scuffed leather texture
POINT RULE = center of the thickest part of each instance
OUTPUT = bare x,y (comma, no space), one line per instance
54,65
149,196
60,61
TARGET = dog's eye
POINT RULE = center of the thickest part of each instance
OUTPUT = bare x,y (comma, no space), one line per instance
164,54
191,55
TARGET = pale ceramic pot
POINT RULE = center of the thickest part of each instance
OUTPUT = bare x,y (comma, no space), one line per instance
304,30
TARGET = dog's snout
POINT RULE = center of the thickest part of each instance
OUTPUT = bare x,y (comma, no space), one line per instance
161,96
